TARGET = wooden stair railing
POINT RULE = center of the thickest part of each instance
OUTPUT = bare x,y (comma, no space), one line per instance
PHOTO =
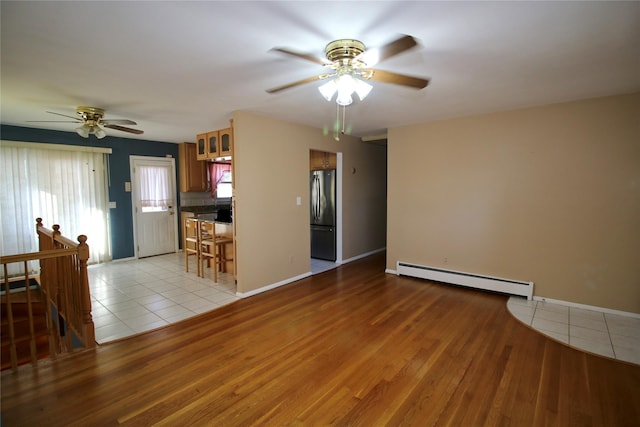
64,286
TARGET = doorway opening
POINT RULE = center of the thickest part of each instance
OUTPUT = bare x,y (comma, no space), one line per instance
325,210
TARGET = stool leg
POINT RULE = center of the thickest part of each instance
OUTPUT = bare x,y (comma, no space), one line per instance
223,258
215,263
198,256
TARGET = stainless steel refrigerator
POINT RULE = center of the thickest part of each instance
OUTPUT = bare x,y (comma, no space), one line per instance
323,214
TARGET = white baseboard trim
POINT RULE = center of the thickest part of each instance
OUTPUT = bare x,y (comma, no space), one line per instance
364,255
587,307
272,286
301,276
132,258
567,303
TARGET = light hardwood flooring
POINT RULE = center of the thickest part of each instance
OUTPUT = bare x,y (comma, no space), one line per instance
351,346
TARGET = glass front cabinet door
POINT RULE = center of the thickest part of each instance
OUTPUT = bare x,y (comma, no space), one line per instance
213,148
201,142
226,142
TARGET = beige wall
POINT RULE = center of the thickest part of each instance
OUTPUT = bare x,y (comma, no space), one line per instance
271,170
548,194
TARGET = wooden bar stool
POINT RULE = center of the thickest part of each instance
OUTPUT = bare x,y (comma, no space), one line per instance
191,242
212,247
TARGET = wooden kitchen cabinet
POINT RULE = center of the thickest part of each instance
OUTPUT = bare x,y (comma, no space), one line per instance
208,145
201,151
319,160
216,143
226,142
193,172
213,144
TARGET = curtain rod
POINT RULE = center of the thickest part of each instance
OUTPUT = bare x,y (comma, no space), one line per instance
48,146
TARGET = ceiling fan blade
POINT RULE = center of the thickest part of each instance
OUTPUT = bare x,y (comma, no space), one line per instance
124,129
374,55
118,122
398,79
54,121
298,83
78,119
302,55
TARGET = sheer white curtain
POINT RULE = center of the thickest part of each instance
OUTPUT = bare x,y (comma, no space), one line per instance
155,186
59,184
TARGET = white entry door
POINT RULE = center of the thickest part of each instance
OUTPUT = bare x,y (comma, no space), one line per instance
154,205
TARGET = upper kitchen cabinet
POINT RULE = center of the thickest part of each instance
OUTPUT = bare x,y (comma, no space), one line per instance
201,153
319,160
208,145
217,143
193,173
213,144
226,142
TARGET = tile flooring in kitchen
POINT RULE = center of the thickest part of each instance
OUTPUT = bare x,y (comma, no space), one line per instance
598,332
133,296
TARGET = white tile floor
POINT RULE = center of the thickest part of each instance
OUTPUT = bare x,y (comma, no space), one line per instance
135,296
320,266
597,332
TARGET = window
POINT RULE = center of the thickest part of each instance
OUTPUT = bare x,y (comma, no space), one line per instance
155,188
223,189
221,179
61,184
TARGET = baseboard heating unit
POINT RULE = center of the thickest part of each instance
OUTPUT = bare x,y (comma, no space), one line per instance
496,284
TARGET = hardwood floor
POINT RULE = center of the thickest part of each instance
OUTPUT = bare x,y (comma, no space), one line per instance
352,346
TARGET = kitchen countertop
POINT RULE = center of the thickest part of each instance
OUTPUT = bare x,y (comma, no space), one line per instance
203,208
209,212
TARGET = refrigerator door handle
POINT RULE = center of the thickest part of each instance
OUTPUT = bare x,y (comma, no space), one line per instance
316,199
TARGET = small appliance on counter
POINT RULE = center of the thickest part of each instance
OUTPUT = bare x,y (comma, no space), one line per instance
224,215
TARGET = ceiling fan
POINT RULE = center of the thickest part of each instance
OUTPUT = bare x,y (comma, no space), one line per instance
91,120
351,64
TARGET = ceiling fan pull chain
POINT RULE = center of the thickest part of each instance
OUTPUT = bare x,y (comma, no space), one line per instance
337,125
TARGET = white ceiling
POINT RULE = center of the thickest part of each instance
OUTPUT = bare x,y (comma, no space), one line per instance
181,68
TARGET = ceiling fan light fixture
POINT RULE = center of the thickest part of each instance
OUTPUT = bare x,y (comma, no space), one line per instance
84,131
328,89
99,133
344,98
345,85
362,88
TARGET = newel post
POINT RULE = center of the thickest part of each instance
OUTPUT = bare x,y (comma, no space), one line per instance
41,247
38,226
56,233
88,332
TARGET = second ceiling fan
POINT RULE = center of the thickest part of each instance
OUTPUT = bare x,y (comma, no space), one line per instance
91,121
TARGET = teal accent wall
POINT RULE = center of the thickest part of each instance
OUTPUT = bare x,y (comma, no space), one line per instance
121,221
